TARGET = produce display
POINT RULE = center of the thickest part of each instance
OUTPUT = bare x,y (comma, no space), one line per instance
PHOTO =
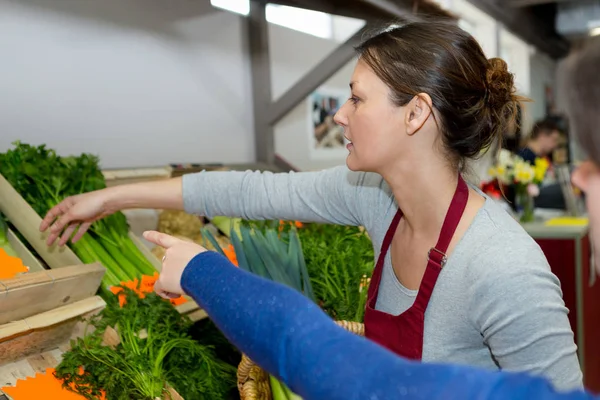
140,346
44,178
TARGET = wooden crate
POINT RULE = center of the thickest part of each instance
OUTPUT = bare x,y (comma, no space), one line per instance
36,292
27,222
29,260
115,177
40,312
35,343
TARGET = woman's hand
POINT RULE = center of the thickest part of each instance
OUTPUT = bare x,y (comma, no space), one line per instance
75,213
177,256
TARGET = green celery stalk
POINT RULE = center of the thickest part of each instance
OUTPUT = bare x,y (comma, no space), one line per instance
289,394
105,258
134,253
276,389
123,262
83,251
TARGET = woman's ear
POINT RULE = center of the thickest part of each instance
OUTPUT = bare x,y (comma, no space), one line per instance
418,111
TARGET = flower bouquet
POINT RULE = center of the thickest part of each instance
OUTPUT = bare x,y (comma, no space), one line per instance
512,170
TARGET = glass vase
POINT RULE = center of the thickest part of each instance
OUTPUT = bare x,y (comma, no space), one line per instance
525,204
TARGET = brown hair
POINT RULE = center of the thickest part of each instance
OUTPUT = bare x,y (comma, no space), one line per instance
475,97
545,126
582,92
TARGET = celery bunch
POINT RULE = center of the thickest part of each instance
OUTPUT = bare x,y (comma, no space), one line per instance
44,179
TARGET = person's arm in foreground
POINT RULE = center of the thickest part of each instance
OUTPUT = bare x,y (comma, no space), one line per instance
291,338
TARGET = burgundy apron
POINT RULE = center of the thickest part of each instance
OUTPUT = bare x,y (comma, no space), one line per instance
403,334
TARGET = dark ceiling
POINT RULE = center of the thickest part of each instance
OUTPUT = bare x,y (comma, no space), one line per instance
532,20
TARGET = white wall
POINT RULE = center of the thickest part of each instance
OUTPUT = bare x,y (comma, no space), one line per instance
480,25
288,64
138,82
543,73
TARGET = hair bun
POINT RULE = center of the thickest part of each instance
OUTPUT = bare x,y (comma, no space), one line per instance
500,83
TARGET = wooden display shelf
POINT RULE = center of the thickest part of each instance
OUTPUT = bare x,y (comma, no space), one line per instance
37,292
42,311
27,222
35,343
115,177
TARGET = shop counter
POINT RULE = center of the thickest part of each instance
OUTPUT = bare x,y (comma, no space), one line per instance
566,244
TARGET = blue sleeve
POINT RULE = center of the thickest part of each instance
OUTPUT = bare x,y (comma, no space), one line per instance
291,338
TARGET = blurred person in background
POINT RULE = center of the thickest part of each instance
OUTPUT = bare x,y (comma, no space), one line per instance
543,140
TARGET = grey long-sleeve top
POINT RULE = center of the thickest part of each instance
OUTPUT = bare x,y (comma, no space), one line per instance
496,304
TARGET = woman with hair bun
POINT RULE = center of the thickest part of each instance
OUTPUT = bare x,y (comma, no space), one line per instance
457,279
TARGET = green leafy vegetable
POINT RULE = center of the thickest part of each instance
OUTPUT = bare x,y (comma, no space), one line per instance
339,260
140,366
44,179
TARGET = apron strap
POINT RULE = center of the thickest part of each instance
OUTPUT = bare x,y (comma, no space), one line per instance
437,254
436,257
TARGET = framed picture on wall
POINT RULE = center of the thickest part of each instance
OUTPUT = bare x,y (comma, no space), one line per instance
326,138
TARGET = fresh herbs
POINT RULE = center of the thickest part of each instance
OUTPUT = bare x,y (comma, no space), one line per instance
44,179
155,350
339,260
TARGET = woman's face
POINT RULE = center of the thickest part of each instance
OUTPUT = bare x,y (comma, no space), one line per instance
372,124
587,178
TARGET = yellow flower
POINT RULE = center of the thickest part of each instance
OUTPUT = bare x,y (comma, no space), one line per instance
541,166
524,172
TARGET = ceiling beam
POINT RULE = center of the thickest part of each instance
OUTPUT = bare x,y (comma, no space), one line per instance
529,3
382,11
527,26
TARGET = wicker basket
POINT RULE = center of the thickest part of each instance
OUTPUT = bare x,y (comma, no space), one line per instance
253,381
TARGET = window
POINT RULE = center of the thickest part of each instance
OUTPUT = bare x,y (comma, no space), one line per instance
311,22
236,6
